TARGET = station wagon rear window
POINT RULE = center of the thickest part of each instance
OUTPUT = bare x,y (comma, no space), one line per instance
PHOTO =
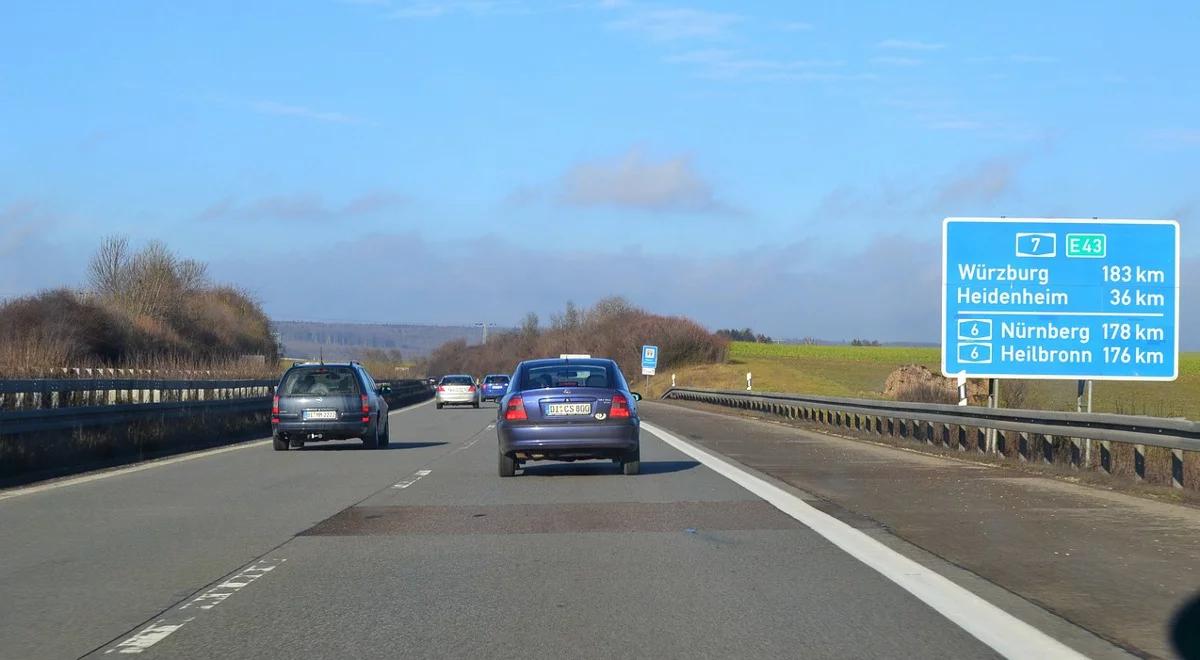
319,381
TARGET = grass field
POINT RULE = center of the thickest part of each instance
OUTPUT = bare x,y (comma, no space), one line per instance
861,371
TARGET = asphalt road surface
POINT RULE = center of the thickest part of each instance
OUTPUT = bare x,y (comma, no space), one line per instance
422,550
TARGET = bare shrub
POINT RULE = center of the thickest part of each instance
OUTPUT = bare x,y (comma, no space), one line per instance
925,392
144,307
1014,394
612,328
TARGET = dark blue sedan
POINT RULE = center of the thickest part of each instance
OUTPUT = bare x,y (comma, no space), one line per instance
568,409
493,387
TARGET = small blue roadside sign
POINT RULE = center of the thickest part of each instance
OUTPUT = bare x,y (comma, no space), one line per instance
1064,299
649,360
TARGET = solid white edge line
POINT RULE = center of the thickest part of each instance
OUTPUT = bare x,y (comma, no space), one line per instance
162,462
1004,633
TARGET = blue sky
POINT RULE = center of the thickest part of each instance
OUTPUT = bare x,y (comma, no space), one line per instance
779,165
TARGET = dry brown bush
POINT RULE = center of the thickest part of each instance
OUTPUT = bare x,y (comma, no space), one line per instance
923,392
144,308
612,328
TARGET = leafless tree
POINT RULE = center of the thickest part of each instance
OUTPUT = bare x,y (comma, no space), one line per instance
108,272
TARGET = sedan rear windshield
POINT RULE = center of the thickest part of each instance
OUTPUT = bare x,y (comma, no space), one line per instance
457,380
319,381
566,375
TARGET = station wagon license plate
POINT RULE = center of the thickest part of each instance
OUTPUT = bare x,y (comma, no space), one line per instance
320,414
565,409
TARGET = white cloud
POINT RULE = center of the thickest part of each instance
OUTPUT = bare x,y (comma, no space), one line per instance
302,207
1032,59
282,109
1175,137
631,181
636,181
909,44
437,8
673,24
731,64
897,61
19,222
796,26
984,182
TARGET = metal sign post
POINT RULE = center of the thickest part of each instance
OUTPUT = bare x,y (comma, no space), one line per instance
649,363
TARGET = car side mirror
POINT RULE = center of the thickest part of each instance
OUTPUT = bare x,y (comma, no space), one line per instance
636,396
383,389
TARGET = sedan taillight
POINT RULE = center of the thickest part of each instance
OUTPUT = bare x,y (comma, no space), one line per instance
515,410
620,406
441,388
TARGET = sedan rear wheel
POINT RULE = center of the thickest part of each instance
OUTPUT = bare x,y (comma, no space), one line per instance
508,465
439,405
279,442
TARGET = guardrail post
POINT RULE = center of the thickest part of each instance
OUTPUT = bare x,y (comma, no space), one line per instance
945,436
1047,447
1023,449
1139,462
1106,456
1177,468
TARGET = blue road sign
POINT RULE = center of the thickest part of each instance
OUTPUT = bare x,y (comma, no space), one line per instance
649,360
1069,299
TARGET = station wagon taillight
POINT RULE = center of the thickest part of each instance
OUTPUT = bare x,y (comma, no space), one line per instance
366,409
620,406
275,410
515,410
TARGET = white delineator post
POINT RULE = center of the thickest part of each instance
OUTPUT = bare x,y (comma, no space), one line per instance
672,380
749,384
962,390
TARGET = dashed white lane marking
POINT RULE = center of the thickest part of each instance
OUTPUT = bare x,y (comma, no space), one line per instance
175,619
76,481
1003,632
413,479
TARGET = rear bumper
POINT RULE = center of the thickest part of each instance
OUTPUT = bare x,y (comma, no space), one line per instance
558,441
456,397
328,430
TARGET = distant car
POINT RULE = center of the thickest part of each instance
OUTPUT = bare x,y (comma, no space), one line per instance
329,401
457,389
568,409
494,387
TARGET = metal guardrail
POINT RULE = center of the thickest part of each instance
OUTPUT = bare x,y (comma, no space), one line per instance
55,419
59,404
52,393
985,429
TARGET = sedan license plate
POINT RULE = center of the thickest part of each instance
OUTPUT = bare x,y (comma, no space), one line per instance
320,414
564,409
